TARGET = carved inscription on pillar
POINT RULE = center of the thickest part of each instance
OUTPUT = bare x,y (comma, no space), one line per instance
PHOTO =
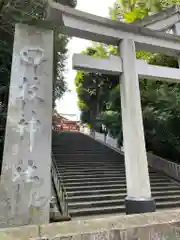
27,151
27,180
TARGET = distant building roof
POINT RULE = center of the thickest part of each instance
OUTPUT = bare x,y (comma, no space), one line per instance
57,117
70,121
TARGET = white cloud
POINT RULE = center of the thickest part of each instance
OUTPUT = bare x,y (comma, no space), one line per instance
68,104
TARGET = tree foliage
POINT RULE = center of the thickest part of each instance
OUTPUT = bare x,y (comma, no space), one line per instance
93,88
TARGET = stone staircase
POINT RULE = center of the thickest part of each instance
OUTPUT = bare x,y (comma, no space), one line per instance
94,177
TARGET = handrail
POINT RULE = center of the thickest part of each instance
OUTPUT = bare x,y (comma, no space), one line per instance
60,190
169,168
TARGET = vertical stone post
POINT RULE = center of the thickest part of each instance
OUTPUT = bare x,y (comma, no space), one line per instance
137,176
176,30
25,179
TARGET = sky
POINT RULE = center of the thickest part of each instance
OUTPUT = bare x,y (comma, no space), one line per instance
68,104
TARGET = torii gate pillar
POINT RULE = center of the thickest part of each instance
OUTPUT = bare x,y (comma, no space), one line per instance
137,176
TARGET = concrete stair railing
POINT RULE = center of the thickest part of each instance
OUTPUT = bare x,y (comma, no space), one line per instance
161,164
60,190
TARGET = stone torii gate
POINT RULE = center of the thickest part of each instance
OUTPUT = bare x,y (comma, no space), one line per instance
128,38
25,180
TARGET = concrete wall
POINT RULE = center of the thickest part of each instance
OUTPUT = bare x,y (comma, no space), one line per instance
152,226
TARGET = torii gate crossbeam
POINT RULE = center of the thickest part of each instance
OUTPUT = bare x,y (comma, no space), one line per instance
88,26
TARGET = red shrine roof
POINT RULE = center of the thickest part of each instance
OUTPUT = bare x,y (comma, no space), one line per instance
58,117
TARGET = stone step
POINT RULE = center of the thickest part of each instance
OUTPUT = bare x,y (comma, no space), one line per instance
99,174
116,202
90,172
116,177
91,149
168,204
93,168
96,211
115,209
94,172
84,160
88,159
82,192
81,177
64,144
82,151
88,169
115,186
111,180
95,179
95,204
110,196
101,166
121,183
96,197
167,199
89,154
87,164
77,146
84,140
91,187
155,192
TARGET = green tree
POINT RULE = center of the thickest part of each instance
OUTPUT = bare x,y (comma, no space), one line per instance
131,10
93,88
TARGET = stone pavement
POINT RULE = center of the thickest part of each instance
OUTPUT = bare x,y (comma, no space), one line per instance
152,226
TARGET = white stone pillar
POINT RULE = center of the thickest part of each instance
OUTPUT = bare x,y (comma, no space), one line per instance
137,176
176,31
25,179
